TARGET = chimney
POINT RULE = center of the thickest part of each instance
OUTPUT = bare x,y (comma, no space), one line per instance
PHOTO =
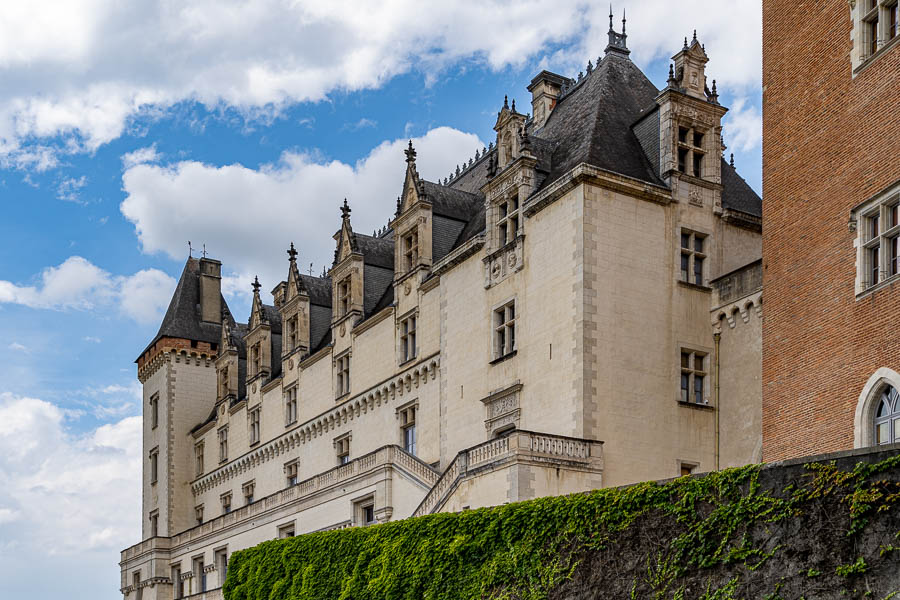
544,90
210,290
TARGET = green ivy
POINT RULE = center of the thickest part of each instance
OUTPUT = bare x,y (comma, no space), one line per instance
526,550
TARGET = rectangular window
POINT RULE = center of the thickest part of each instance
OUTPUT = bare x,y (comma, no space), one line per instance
222,564
286,531
410,250
894,256
507,220
177,583
344,296
154,464
693,377
198,458
138,590
408,429
255,359
368,514
198,514
698,162
291,470
878,231
290,406
342,375
223,444
505,330
200,571
254,426
693,256
226,503
248,489
154,411
364,511
154,523
342,449
292,333
690,151
408,339
874,264
682,159
893,18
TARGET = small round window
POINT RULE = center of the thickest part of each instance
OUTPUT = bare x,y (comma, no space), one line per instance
887,417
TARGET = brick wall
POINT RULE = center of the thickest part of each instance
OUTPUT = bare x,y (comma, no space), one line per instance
830,141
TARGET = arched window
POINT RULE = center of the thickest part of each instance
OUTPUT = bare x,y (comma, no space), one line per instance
887,417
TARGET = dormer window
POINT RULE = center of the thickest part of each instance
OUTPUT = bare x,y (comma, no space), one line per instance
876,26
344,297
410,250
690,151
508,220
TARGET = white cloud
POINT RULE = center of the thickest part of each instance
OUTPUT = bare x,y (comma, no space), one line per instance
65,498
86,69
361,124
742,126
92,339
78,284
17,347
69,189
140,156
248,217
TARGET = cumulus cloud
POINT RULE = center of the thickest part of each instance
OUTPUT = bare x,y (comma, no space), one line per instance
69,189
78,284
64,497
248,217
86,70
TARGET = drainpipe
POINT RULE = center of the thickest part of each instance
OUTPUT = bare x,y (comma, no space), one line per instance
717,336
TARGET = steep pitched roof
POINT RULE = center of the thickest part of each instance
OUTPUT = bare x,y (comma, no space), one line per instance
452,203
592,122
737,194
376,251
182,318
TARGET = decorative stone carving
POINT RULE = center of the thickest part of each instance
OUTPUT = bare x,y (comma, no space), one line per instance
502,408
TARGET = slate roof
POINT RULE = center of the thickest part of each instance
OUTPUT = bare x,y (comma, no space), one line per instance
182,318
737,194
376,251
452,203
318,288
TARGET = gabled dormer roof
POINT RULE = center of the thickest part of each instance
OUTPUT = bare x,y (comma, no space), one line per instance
346,241
294,285
412,191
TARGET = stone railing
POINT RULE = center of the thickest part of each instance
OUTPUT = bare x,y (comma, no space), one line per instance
386,455
154,543
537,446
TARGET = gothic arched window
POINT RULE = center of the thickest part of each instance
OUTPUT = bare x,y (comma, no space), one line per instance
887,416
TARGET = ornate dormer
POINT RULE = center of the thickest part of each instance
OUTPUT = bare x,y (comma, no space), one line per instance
510,123
294,307
412,226
690,129
227,363
258,340
346,273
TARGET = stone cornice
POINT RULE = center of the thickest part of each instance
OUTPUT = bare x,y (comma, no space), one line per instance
585,173
374,397
372,321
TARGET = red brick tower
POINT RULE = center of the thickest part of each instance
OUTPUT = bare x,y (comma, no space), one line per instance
831,187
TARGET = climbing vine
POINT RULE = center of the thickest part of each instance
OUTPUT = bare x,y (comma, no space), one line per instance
713,529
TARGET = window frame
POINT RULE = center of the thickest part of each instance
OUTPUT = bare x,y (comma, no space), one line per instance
287,530
876,27
407,416
408,337
509,221
292,472
223,444
248,490
154,523
290,406
220,560
363,507
198,514
689,372
344,289
410,249
154,410
342,375
504,342
690,154
890,395
154,465
226,500
254,424
199,458
342,449
691,255
877,224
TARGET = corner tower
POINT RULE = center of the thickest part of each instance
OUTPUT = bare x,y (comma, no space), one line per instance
177,371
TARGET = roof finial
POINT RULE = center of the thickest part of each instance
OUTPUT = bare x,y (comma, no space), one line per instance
514,105
410,153
695,35
685,43
610,17
292,254
398,206
310,269
255,285
590,67
345,211
190,250
731,162
203,253
505,101
623,21
671,80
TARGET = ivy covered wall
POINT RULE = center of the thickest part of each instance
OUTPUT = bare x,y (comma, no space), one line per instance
828,528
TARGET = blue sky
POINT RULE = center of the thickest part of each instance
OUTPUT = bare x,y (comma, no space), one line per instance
126,132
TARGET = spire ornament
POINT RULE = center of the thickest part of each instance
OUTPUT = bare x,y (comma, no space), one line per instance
410,153
345,211
255,285
292,254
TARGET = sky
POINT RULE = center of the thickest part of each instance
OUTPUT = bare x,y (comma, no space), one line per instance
128,129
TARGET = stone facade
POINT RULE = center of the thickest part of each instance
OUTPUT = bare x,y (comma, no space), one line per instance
831,137
545,321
